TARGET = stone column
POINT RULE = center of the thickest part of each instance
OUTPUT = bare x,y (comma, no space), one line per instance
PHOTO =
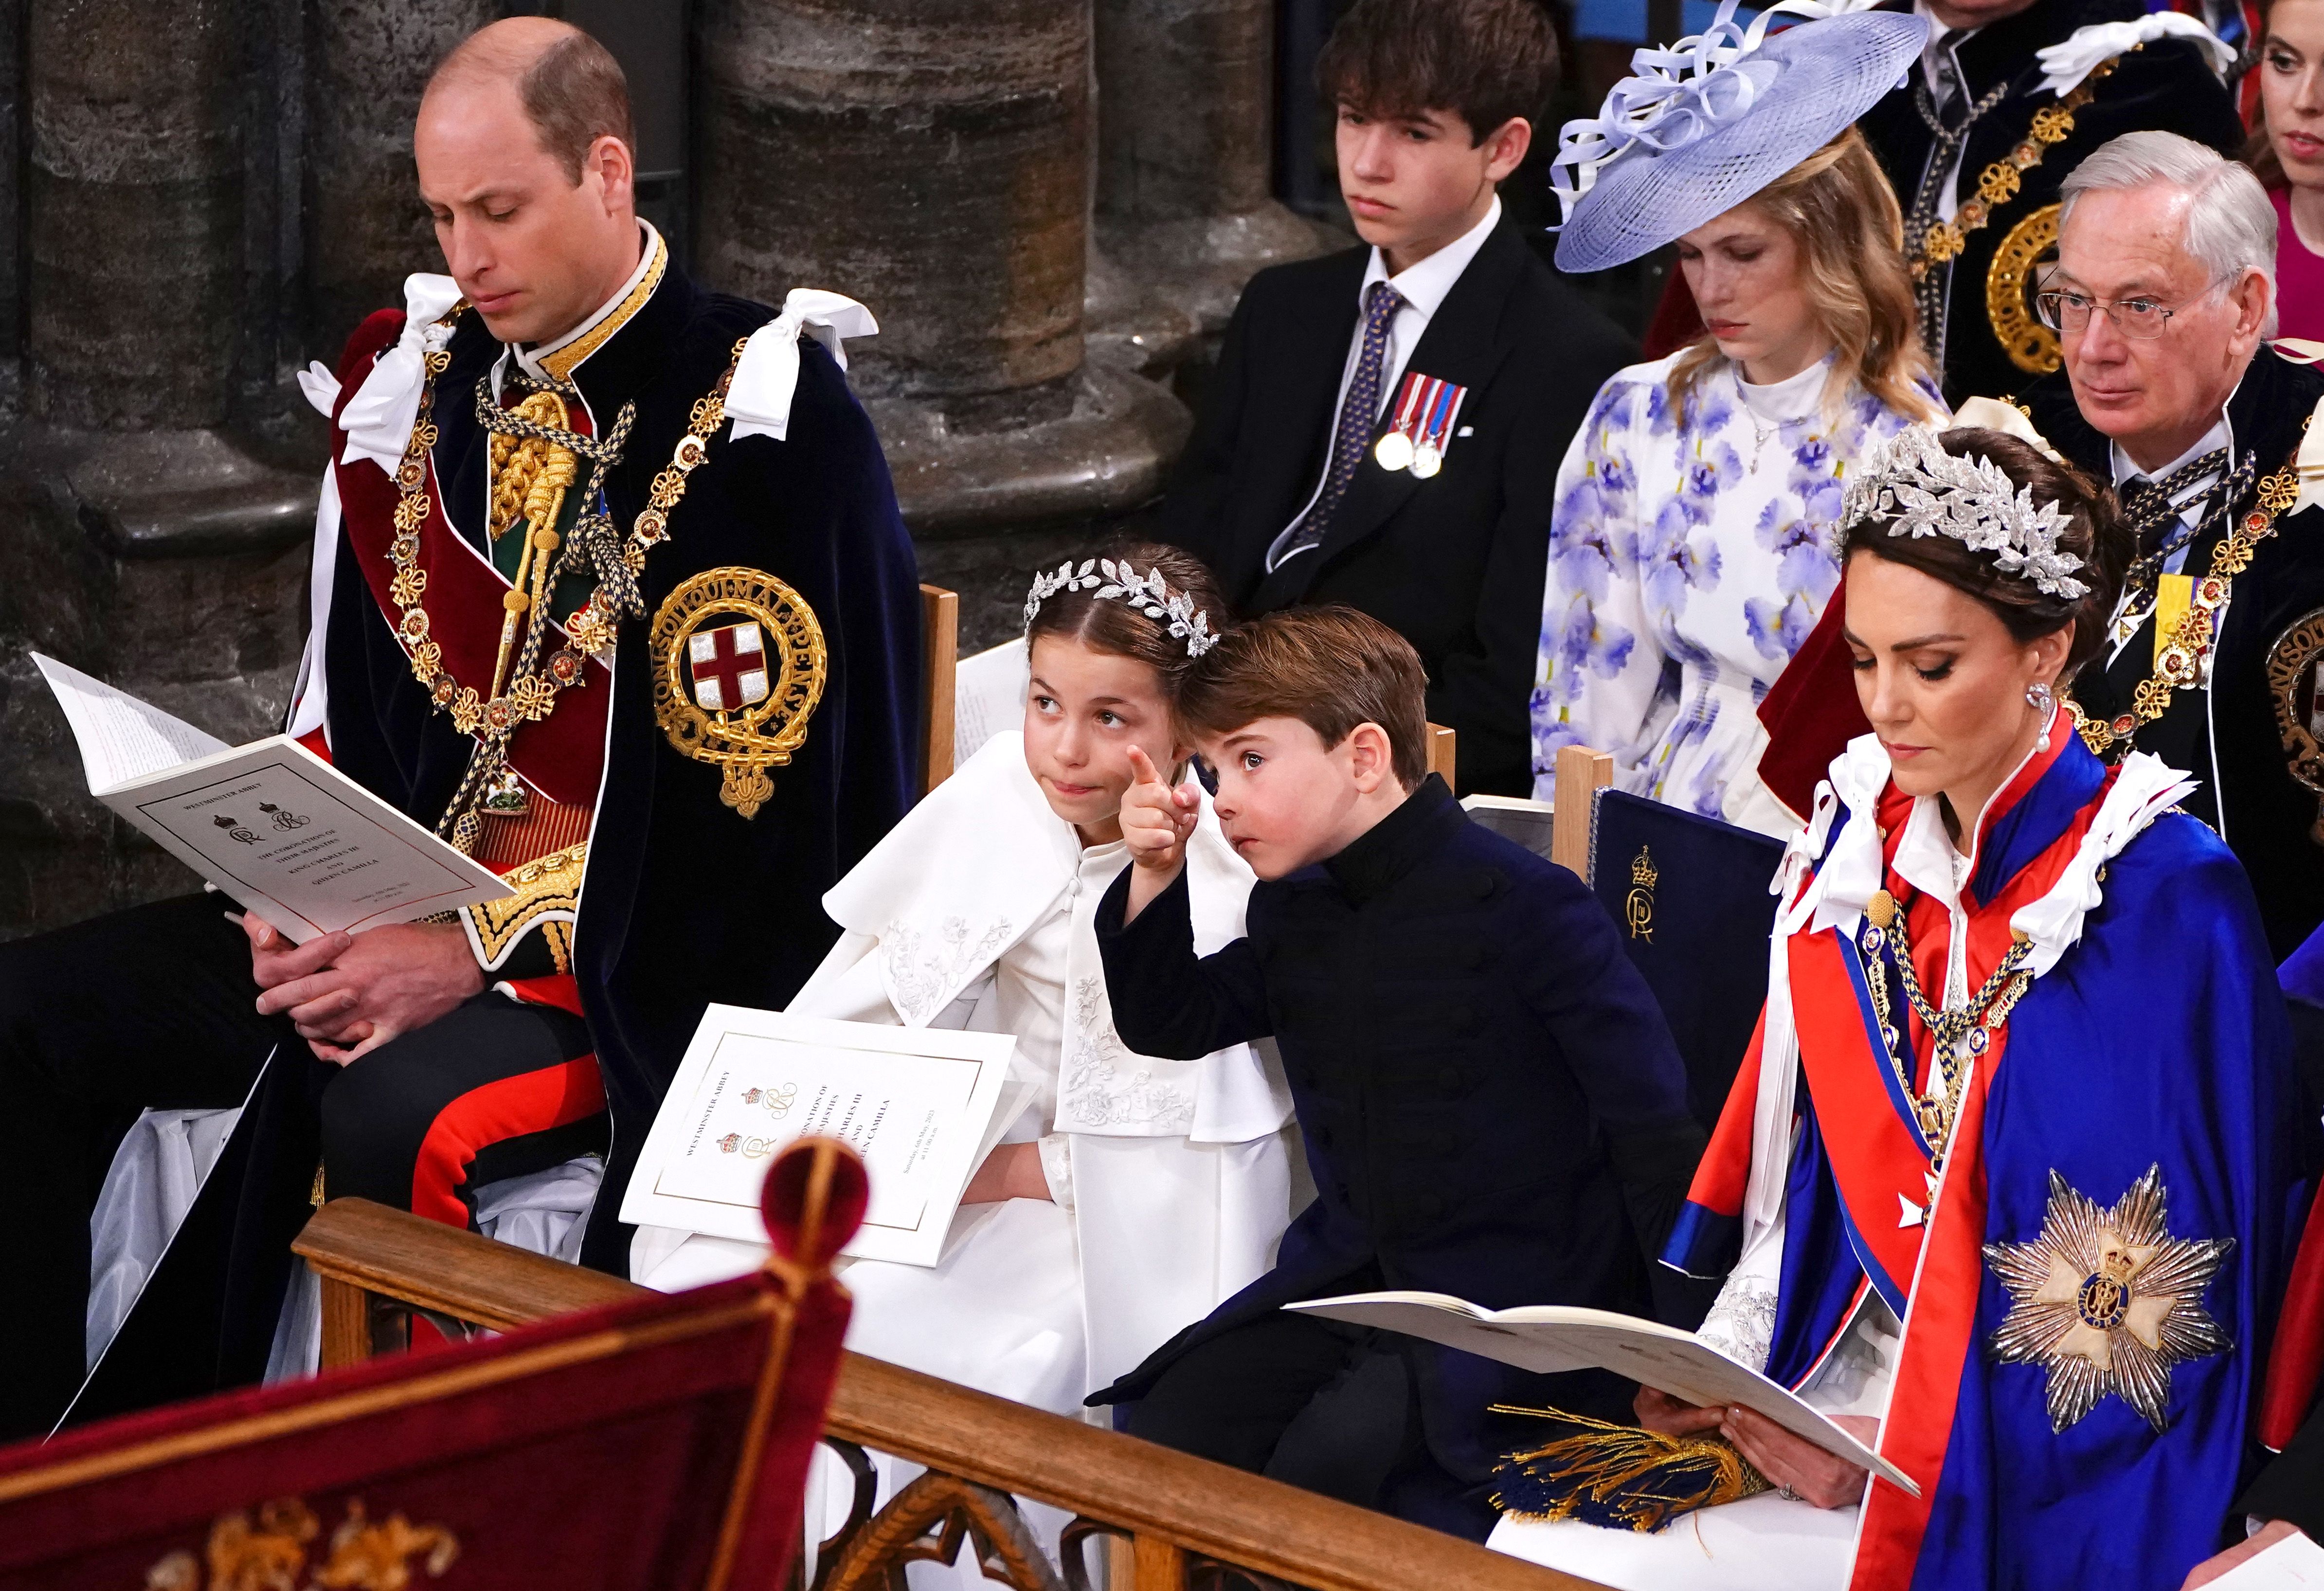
141,540
135,204
1183,201
932,158
11,192
367,61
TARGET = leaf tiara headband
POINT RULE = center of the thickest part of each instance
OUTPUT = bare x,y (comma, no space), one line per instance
1675,95
1933,492
1108,581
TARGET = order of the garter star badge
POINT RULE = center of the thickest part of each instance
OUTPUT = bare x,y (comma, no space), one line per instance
2107,1301
739,664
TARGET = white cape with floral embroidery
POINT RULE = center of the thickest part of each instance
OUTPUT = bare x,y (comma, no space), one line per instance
1170,1179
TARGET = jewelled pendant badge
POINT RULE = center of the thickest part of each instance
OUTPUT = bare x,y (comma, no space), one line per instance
1420,425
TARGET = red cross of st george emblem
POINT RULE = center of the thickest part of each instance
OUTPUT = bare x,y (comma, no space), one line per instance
729,665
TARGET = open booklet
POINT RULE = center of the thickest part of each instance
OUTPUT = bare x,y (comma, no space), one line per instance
270,824
1548,1339
2293,1564
922,1106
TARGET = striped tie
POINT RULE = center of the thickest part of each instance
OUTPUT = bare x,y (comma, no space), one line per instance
1358,414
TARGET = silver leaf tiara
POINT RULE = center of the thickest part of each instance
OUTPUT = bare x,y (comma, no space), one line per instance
1933,492
1118,582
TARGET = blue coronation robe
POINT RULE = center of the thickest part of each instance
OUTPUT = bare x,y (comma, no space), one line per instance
2086,1295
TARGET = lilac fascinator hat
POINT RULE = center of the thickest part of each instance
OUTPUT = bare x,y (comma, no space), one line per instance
1705,123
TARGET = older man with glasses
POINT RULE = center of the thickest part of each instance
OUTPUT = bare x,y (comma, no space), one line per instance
2163,298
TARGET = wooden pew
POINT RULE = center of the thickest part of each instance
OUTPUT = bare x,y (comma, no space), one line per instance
1581,774
1442,750
1182,1522
939,664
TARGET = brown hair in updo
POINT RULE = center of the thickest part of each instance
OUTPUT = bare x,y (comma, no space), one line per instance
1111,625
2094,535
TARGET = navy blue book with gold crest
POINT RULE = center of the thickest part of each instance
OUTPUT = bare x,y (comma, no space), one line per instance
1691,895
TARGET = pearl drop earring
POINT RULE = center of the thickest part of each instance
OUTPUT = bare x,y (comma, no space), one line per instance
2039,697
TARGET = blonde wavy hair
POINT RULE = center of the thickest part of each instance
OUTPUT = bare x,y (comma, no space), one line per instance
1839,207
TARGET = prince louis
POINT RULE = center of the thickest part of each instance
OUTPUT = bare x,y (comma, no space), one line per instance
1491,1104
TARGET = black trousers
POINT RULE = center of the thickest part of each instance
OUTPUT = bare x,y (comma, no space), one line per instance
154,1007
1321,1405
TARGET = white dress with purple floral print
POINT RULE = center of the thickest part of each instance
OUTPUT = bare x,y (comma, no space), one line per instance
1687,562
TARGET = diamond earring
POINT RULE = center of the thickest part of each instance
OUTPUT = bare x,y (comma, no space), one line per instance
2039,697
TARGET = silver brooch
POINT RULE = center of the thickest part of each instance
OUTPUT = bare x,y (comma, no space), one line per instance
2107,1301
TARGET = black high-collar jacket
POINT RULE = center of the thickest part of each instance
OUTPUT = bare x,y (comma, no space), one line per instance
1491,1104
686,901
2167,85
2229,736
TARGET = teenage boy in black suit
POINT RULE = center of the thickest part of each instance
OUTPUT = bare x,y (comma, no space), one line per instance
1445,338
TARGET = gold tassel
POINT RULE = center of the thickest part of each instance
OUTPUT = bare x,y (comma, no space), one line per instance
1620,1476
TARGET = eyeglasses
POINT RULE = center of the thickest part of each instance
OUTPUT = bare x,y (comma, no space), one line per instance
2142,319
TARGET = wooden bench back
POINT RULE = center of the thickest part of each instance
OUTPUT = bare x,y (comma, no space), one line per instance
1179,1521
939,667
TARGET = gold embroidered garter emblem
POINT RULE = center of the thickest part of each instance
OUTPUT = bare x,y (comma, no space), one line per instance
2107,1301
2295,680
739,665
2009,284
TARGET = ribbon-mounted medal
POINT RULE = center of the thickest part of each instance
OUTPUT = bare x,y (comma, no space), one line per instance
1420,425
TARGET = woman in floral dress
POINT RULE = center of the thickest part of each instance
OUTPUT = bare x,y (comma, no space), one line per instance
1691,548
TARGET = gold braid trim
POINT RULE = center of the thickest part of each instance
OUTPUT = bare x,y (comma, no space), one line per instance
546,893
519,462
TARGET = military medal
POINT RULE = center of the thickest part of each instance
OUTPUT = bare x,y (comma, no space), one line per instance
1420,425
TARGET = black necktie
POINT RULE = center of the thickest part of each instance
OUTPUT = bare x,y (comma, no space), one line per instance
2146,513
1950,92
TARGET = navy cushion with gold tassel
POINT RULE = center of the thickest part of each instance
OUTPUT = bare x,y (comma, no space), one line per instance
1620,1476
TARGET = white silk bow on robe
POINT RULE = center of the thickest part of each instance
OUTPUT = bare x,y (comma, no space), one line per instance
759,399
379,417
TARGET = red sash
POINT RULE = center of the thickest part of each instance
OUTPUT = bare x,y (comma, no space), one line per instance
561,755
2296,1361
1945,1256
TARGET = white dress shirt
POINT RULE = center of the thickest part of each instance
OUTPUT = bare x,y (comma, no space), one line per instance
1423,285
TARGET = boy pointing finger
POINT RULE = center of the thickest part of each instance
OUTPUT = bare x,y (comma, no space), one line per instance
1157,820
